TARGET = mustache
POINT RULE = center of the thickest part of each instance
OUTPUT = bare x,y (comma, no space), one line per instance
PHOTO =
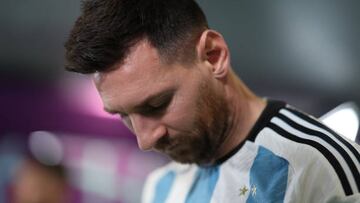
163,143
168,143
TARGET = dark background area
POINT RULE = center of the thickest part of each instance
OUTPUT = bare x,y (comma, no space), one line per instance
305,52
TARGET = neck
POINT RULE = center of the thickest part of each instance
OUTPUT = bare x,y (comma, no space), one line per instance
245,107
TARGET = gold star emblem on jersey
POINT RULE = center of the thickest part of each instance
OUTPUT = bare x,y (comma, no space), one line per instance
243,191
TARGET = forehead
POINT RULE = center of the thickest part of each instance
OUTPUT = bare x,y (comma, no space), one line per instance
138,76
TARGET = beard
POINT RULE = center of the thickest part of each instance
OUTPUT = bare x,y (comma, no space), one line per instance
201,143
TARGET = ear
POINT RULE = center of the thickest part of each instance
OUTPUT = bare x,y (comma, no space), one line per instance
212,49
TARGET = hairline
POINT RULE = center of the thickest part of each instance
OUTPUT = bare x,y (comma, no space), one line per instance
181,55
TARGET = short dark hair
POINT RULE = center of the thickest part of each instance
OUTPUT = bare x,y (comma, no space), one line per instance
107,29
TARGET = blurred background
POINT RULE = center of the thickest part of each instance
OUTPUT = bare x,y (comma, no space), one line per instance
304,52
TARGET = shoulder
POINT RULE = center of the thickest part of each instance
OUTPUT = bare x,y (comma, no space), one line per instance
311,146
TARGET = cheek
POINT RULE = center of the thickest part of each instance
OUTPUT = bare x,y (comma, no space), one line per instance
181,115
183,111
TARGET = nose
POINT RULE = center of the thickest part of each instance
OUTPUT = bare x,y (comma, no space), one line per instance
147,130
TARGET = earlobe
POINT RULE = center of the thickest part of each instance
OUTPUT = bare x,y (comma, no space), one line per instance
213,50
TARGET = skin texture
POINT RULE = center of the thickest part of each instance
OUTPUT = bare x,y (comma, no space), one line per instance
193,112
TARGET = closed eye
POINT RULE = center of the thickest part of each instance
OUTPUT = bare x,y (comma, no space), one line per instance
156,108
156,105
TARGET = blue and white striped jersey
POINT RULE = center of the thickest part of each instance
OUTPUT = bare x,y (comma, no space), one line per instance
288,157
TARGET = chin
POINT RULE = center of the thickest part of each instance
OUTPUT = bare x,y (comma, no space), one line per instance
189,159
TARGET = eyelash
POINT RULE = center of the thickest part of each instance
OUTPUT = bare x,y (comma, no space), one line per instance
123,116
157,109
150,110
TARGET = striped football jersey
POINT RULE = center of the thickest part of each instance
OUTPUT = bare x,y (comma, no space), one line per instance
288,156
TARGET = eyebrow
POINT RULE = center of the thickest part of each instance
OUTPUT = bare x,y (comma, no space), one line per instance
139,107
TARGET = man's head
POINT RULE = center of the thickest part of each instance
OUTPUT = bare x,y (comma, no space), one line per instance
168,83
107,29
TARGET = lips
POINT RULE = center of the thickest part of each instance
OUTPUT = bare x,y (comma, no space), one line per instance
173,148
166,144
170,148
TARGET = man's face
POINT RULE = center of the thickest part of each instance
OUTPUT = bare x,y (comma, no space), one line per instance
176,109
